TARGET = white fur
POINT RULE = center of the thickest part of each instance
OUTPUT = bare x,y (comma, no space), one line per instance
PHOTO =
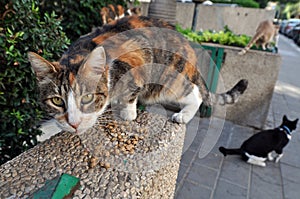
129,112
259,161
276,39
78,121
270,157
279,156
129,12
74,114
191,105
121,16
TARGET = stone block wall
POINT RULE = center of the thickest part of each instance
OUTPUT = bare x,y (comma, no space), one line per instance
239,20
261,70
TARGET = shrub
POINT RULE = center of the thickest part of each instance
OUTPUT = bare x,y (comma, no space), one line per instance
23,28
243,3
78,17
225,37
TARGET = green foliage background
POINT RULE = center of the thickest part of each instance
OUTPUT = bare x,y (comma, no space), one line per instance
243,3
78,17
224,37
44,27
23,29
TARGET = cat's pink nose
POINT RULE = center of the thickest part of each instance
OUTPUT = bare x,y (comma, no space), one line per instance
75,125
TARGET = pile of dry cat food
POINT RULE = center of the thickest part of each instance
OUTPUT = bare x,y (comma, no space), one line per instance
115,159
131,145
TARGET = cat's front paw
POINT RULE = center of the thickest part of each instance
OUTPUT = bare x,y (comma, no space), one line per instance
128,114
179,118
270,157
278,158
242,52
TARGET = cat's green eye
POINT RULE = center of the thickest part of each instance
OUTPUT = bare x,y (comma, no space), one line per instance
57,101
87,98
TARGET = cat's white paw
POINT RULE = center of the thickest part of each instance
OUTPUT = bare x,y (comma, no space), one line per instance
128,114
242,52
270,157
262,164
278,158
179,118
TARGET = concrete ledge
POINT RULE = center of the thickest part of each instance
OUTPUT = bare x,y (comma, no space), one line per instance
137,159
261,69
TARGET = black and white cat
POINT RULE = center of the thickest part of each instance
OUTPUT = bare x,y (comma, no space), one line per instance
259,147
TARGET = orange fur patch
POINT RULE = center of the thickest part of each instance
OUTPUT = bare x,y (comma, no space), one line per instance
120,10
77,59
112,7
101,38
71,78
135,22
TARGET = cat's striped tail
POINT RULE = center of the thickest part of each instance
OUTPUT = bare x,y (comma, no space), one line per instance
225,151
231,96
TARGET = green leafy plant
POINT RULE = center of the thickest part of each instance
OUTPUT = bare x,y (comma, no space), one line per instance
23,29
78,17
243,3
224,37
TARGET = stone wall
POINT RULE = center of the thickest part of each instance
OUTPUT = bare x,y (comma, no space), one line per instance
185,14
261,70
240,20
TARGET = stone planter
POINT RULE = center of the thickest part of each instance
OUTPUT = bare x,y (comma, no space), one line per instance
137,159
261,69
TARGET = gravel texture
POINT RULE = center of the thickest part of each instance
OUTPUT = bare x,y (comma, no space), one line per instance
114,159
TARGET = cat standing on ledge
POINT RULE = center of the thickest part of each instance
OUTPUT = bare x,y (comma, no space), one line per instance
259,147
266,32
115,12
132,59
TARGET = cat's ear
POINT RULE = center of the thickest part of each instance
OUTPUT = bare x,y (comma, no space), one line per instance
296,121
41,66
94,65
284,118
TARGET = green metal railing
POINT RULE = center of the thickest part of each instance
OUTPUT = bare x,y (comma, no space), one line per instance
215,64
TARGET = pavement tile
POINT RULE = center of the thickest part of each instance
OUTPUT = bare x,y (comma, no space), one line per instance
194,128
291,181
202,175
212,160
182,170
216,177
236,171
192,191
291,152
197,140
266,182
187,157
209,142
227,190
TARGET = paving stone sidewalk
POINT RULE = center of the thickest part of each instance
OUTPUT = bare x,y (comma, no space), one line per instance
216,177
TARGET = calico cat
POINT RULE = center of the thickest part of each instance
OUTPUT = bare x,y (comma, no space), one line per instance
266,32
258,148
114,12
132,59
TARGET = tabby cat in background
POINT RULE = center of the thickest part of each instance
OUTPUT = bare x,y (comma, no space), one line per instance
266,33
132,59
114,12
259,147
